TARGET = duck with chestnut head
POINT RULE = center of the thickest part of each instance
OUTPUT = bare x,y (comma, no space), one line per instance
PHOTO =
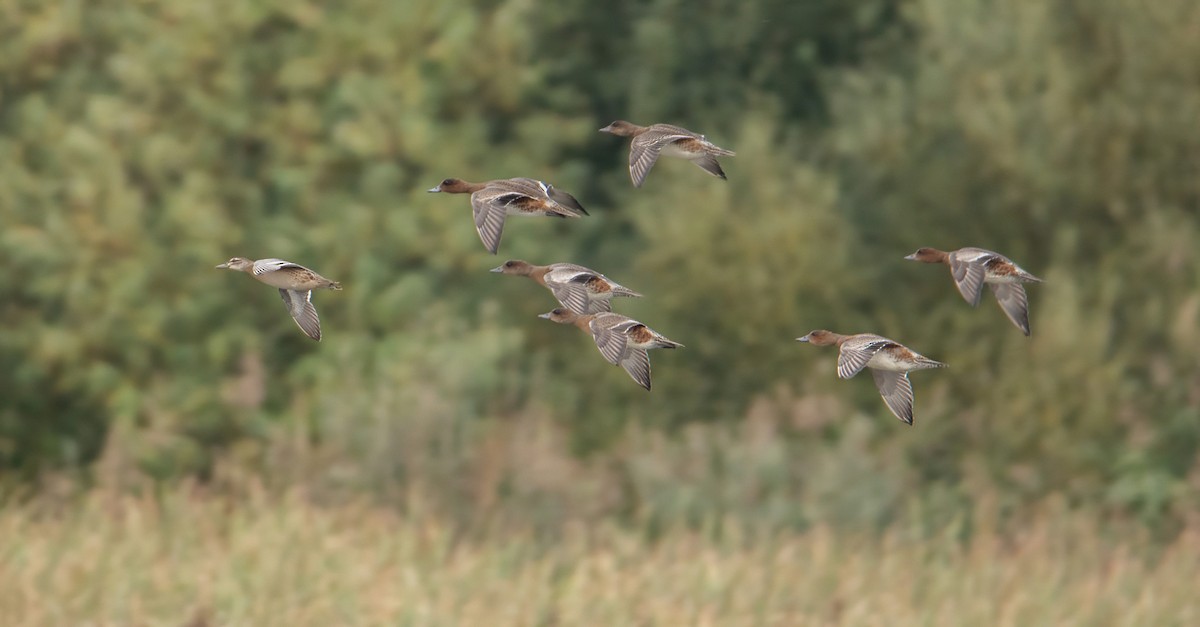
493,201
650,142
622,340
972,268
889,361
580,289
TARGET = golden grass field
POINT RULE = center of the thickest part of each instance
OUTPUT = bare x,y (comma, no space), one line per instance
187,559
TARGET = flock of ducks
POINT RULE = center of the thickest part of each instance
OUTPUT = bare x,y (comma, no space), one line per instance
586,295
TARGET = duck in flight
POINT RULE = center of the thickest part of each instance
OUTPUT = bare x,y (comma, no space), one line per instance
494,201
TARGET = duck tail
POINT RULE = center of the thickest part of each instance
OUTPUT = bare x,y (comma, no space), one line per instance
723,152
662,342
926,362
334,285
562,211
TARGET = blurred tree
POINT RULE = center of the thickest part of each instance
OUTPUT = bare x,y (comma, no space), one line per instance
143,143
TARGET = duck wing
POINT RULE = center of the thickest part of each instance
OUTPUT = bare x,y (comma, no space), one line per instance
299,305
897,392
1014,302
645,148
856,351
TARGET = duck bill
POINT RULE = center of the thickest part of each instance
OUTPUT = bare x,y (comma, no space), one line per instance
222,266
912,257
545,315
802,339
434,190
607,129
497,269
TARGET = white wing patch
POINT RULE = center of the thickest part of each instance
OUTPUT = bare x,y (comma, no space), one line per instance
264,266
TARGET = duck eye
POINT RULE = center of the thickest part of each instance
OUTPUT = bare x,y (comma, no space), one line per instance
448,182
509,264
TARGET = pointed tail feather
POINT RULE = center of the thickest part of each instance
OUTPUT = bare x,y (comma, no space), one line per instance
925,362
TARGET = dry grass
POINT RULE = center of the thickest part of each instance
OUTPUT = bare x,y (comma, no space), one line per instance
192,560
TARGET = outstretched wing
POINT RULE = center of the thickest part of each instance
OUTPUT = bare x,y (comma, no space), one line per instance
644,151
637,364
299,305
569,284
897,392
575,296
968,276
613,343
1014,302
854,355
490,210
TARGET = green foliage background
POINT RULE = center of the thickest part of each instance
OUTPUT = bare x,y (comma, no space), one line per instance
143,142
